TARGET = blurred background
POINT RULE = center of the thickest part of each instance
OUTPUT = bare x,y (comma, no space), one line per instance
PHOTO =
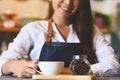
14,14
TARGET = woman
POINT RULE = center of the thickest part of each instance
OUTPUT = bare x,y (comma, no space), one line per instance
67,32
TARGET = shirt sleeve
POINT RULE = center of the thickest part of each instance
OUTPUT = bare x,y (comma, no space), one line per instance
108,64
18,48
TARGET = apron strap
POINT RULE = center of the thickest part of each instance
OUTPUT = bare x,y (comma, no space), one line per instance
50,31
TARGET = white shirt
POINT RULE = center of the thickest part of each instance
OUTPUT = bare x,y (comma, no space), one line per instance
34,34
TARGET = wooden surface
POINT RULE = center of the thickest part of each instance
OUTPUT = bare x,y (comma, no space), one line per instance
16,78
63,77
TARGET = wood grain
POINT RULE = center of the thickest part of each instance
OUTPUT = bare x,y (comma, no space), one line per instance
63,77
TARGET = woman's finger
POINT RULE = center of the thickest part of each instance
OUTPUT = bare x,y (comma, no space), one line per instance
36,61
26,74
30,70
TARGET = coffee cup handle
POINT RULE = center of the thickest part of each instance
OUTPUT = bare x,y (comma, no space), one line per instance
38,70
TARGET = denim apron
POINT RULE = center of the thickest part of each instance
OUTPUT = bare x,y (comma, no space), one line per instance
58,51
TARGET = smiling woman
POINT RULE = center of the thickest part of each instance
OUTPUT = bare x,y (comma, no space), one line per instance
68,31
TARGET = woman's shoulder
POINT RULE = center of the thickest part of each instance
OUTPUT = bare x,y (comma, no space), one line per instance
38,24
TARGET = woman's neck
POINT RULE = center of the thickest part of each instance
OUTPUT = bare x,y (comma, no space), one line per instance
61,22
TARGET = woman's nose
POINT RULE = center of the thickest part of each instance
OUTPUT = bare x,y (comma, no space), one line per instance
68,2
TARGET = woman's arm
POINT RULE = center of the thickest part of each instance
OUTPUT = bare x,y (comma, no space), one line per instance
16,50
21,68
108,64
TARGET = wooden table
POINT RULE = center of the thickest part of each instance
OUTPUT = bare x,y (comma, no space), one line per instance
96,78
63,77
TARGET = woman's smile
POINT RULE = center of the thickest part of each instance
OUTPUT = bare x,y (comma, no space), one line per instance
66,8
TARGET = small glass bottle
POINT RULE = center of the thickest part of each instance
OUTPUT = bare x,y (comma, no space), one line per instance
80,65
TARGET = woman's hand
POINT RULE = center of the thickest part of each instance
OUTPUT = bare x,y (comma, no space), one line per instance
21,68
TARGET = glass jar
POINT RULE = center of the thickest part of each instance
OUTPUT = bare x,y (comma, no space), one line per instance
80,65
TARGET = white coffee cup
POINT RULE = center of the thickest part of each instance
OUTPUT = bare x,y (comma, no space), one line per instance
50,67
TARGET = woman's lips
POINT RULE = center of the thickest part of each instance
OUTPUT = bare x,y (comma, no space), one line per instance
66,9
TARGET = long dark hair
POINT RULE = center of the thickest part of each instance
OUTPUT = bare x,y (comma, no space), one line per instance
83,26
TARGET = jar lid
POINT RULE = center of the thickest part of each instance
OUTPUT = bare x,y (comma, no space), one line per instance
79,56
